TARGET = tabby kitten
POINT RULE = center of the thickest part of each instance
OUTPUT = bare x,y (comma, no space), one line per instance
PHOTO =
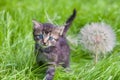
51,45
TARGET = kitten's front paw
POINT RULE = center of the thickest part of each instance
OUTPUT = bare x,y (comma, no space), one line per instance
50,73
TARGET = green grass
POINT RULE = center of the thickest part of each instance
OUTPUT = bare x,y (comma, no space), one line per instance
17,60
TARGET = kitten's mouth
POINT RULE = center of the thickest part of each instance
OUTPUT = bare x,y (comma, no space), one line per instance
48,49
44,46
47,46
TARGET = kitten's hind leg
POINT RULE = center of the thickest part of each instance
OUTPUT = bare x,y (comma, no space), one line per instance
67,68
66,62
66,65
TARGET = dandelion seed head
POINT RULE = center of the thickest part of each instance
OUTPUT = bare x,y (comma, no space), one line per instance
97,37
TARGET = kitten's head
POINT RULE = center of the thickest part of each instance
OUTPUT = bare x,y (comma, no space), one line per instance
46,34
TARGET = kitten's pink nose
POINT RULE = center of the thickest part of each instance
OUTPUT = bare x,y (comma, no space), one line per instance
44,43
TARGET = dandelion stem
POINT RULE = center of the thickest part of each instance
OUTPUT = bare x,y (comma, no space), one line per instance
96,58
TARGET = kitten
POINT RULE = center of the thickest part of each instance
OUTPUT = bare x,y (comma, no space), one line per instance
51,45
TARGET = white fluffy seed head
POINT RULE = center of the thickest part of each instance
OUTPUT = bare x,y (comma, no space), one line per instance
97,38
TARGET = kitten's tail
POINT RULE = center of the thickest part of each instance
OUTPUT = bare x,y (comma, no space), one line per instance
69,21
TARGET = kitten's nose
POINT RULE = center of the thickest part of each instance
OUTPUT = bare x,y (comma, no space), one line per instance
44,43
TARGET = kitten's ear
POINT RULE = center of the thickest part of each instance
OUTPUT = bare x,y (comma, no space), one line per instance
37,25
61,29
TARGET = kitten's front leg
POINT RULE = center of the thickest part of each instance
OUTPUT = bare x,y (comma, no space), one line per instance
50,73
51,68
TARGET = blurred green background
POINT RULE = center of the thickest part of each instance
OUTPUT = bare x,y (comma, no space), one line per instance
17,60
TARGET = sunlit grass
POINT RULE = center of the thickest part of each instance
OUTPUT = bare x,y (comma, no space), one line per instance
17,60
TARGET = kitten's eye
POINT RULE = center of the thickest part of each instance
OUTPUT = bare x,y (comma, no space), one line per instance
40,36
50,38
